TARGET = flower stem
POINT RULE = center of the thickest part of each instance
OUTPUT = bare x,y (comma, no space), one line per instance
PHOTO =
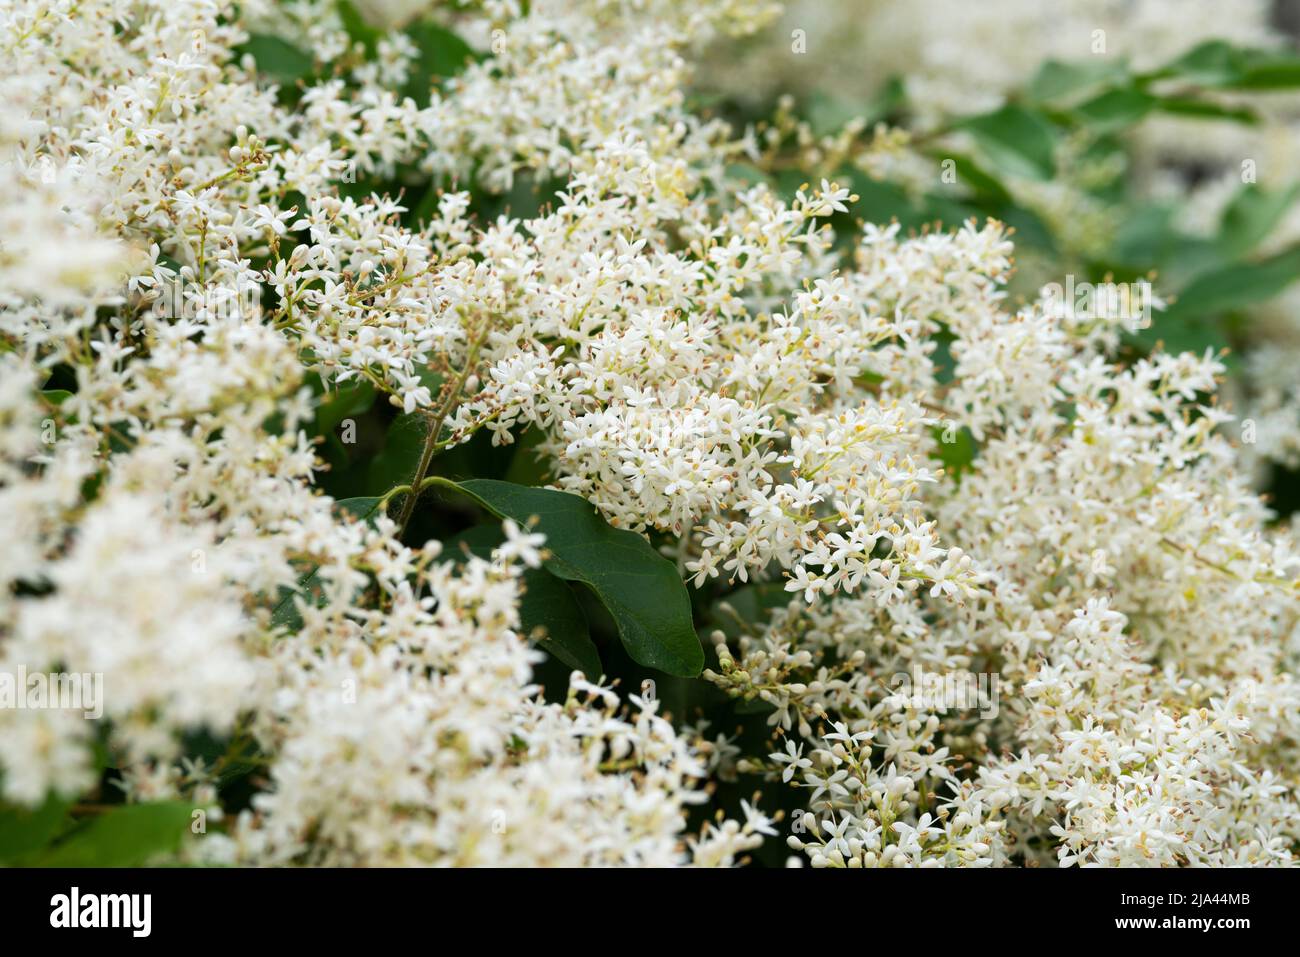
431,439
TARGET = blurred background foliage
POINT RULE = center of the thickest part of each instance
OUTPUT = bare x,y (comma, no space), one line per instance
1148,139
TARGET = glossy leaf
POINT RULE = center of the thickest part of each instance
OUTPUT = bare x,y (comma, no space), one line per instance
641,589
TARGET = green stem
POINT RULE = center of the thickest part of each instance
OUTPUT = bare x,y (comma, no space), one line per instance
431,440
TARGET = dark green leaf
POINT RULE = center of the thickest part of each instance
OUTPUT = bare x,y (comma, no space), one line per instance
278,58
753,605
403,445
362,508
641,588
1182,335
347,402
880,201
528,466
1204,109
442,54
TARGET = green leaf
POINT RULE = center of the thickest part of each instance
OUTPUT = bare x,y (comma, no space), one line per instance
1017,140
24,831
884,102
1213,63
1116,109
278,58
1030,228
547,604
1230,287
957,449
358,30
362,508
442,54
349,400
1056,80
403,446
126,836
829,114
879,201
1221,65
640,587
746,174
974,177
1145,235
1251,216
1192,335
528,466
1206,110
1269,71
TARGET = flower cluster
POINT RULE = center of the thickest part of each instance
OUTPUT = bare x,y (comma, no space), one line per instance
1137,614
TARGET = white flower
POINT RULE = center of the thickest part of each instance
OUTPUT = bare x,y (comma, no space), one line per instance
521,546
793,760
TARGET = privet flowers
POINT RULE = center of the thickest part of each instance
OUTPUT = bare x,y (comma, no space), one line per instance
697,358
